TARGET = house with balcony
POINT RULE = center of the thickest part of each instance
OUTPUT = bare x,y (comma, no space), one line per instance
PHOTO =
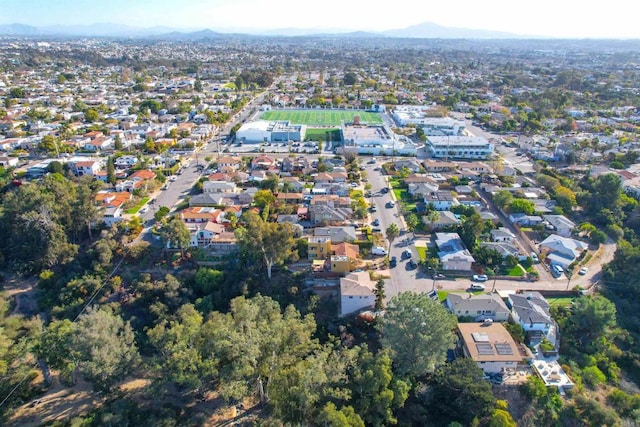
319,247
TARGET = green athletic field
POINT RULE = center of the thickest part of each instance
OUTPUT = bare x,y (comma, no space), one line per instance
321,117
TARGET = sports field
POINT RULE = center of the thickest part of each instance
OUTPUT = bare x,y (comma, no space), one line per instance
321,117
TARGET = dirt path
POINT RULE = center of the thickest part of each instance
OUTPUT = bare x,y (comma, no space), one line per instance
22,290
59,403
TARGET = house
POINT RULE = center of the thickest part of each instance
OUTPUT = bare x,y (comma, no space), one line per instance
113,204
445,219
489,345
452,253
356,292
442,200
412,164
330,215
262,162
531,311
319,247
85,167
201,214
502,234
562,225
8,162
136,180
340,264
523,219
337,234
505,248
562,251
219,187
290,198
421,188
479,307
125,162
231,162
438,167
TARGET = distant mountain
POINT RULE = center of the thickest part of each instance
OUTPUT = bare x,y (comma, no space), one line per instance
424,30
431,30
18,30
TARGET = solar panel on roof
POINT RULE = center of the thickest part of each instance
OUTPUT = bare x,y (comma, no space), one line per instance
484,349
504,349
480,337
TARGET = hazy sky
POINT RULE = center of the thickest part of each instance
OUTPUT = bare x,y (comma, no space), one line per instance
555,18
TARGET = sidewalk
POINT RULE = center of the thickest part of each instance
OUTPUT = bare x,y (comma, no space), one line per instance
403,224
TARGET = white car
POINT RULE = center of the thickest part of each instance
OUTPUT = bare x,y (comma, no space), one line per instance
172,178
144,209
477,287
480,278
583,271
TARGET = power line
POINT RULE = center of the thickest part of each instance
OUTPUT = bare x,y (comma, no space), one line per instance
84,307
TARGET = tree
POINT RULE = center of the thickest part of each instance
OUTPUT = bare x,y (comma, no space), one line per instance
350,79
565,198
91,115
522,206
458,393
16,92
593,319
106,347
502,198
470,230
392,232
117,143
182,354
272,242
111,171
380,295
264,198
330,416
418,332
176,234
413,221
375,392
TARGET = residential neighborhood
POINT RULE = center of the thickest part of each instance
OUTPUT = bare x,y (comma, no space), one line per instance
287,229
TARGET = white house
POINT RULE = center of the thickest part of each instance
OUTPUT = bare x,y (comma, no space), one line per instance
502,234
356,292
8,162
562,225
452,253
219,187
442,200
531,311
562,250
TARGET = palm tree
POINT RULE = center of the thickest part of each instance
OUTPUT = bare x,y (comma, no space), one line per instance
392,232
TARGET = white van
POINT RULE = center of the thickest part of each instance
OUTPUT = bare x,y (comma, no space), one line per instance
378,250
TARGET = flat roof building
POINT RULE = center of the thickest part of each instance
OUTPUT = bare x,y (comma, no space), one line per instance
459,147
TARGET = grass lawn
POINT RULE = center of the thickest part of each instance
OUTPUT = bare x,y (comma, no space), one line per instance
516,271
442,295
560,301
322,135
422,252
321,117
137,207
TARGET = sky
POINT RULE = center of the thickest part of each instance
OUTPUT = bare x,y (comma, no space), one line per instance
550,18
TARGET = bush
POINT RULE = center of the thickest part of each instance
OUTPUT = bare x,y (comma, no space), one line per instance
593,377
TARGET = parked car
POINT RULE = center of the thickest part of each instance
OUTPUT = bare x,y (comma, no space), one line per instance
439,276
390,204
480,278
557,270
385,190
534,257
583,271
477,287
173,178
376,222
412,263
393,262
144,209
378,250
407,253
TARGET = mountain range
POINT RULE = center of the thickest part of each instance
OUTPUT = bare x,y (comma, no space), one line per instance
424,30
